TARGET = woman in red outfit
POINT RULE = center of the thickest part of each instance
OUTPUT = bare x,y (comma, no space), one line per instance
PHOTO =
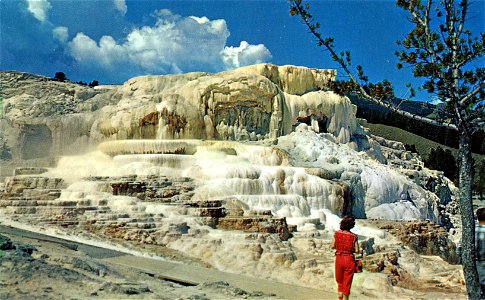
345,244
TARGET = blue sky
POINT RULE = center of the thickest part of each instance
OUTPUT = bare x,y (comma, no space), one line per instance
113,40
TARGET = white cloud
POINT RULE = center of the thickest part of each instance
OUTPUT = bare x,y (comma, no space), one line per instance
61,33
244,55
120,5
39,8
200,20
436,101
107,53
174,44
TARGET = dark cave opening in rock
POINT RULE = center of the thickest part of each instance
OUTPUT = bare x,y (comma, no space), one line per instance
321,121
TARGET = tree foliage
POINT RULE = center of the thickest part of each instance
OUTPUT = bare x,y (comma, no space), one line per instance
93,83
60,76
411,148
441,50
446,136
444,52
442,160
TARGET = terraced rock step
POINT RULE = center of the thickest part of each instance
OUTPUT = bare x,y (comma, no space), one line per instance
16,184
267,224
205,203
149,146
29,171
39,201
154,188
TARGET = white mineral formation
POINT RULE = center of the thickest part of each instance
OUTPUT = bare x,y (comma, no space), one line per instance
250,103
214,166
300,176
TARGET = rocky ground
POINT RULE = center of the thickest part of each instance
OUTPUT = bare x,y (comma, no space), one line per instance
34,269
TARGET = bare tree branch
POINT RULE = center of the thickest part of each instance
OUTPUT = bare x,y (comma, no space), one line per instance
465,100
462,18
307,20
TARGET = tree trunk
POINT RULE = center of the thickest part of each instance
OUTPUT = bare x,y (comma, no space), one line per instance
467,215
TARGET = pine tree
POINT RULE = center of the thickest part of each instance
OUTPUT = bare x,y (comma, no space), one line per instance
60,76
442,160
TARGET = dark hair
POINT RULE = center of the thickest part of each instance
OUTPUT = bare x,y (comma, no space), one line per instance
347,223
481,214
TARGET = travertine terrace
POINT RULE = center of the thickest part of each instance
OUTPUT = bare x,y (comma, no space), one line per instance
247,170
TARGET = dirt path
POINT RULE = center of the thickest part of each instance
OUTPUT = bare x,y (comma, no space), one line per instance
178,273
197,275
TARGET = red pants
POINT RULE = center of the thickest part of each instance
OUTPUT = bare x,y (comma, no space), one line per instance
344,272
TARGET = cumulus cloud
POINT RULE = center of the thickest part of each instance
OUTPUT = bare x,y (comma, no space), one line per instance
174,44
120,5
39,8
244,55
108,53
61,34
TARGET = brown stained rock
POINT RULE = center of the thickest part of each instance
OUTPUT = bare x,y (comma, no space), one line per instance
115,232
393,273
24,194
17,184
347,201
263,224
247,224
393,258
292,228
127,188
170,192
384,262
235,208
423,237
213,212
260,212
154,188
175,122
29,171
205,203
373,266
150,119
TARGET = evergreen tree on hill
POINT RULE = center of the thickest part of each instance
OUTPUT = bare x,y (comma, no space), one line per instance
442,160
60,76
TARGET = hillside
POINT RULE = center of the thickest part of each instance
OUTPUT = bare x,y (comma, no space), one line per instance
376,114
423,145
